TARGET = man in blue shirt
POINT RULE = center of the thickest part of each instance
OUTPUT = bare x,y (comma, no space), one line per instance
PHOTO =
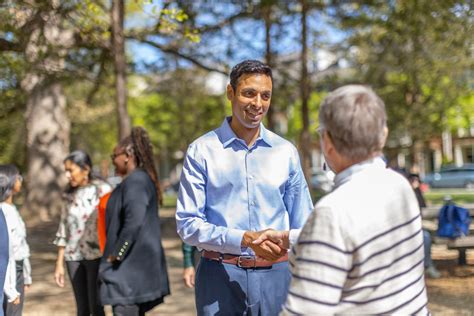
237,181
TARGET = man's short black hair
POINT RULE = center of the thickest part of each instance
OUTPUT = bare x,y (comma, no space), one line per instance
248,67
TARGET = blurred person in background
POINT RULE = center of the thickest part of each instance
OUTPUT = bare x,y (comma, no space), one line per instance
133,274
430,268
3,244
18,277
189,264
76,237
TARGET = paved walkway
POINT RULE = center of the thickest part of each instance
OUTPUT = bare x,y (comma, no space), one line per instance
453,294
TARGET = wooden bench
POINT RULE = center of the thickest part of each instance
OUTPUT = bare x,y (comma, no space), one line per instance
460,244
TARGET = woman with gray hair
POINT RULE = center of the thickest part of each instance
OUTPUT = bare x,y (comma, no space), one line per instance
18,276
4,242
361,250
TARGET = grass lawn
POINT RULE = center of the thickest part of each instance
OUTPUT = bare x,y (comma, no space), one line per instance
433,197
169,200
459,196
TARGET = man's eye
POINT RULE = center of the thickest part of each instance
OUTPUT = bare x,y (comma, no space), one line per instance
248,94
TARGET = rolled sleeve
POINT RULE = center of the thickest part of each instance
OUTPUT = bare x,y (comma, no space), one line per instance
293,236
9,287
297,197
27,271
191,221
61,234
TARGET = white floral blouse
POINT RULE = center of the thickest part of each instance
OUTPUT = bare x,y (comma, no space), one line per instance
77,230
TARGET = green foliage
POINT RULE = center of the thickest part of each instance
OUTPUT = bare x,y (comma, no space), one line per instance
416,54
177,114
295,122
12,106
93,125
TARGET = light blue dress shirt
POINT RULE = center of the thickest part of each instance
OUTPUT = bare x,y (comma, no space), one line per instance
228,188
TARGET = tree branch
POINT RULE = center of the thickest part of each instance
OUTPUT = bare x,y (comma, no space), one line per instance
98,81
174,51
9,46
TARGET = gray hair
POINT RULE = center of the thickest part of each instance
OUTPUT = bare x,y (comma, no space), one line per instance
354,118
8,176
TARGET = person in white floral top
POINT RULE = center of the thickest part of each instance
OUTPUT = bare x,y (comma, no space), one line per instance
18,277
76,238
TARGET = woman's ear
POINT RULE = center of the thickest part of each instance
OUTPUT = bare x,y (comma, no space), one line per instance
129,151
87,169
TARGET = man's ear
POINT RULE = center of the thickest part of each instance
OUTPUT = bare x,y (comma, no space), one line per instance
230,92
385,135
328,143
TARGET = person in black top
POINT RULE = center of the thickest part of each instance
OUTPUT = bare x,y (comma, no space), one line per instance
133,275
430,268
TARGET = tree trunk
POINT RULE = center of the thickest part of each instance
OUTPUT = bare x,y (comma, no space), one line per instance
47,124
118,49
305,137
48,144
267,17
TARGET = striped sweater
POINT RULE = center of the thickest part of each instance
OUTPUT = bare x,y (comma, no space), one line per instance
361,250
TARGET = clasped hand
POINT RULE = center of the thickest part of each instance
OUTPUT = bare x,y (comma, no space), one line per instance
270,249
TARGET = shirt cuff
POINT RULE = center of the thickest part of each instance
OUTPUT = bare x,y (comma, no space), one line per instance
60,241
233,243
293,236
12,295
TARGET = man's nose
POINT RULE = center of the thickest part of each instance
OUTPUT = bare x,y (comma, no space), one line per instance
258,101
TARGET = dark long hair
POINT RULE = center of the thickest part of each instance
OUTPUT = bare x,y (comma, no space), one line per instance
142,151
83,160
8,175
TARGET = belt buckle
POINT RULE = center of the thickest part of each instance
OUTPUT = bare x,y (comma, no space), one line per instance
239,261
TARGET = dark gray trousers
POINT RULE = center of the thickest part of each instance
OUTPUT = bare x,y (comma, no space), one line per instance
9,308
83,276
127,310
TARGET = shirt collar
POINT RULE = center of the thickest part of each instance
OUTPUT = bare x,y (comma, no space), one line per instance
227,135
347,174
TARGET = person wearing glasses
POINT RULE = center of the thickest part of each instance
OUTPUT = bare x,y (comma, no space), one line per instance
361,250
18,276
76,237
133,275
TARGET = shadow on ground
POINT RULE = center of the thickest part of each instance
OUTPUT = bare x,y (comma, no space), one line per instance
452,294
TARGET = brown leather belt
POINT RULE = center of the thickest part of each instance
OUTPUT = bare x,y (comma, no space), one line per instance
242,261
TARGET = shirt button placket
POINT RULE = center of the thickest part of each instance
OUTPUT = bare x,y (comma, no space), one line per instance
250,188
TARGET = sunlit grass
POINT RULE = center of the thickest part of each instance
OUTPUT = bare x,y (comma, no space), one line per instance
458,196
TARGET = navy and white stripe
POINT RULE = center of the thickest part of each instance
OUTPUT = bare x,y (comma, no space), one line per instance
361,250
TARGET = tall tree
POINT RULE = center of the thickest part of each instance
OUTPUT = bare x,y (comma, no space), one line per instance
120,65
305,138
47,124
417,55
267,12
46,36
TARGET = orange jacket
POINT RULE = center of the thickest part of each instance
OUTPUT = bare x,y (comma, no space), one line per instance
101,233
